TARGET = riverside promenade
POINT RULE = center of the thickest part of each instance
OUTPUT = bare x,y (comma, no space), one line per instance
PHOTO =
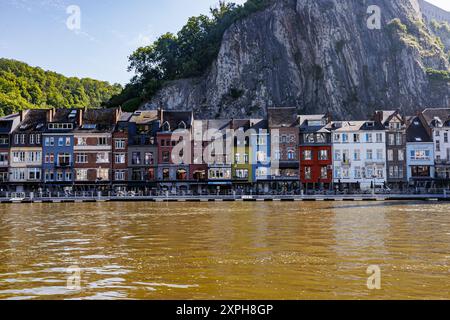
92,197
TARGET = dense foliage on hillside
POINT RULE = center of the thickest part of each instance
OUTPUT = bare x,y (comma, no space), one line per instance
187,54
26,87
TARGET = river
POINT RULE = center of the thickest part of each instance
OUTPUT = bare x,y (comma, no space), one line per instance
239,250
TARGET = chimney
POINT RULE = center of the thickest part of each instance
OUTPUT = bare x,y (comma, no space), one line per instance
160,114
23,114
80,117
117,114
50,114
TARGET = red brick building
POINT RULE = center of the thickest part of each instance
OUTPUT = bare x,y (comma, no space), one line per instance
120,152
315,152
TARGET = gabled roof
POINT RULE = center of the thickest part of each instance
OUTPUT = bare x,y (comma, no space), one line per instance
305,122
416,132
431,115
175,118
7,123
386,116
353,126
35,120
99,120
282,117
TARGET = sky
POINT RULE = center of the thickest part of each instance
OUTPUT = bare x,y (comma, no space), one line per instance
45,33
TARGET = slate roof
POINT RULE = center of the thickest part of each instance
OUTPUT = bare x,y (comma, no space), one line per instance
6,123
305,127
282,117
174,118
35,120
353,126
416,132
442,114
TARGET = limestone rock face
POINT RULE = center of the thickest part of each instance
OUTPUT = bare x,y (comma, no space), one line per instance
318,56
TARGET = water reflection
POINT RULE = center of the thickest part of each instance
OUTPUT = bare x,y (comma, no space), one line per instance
224,251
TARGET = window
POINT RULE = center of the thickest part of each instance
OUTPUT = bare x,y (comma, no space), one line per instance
261,156
181,174
324,173
22,139
445,137
19,157
323,155
60,126
380,154
119,176
356,138
3,158
16,139
34,157
242,173
49,175
38,139
102,157
321,138
369,154
291,155
103,174
64,159
136,158
357,173
149,158
166,157
420,155
82,174
390,155
345,138
309,138
52,142
120,158
18,174
337,155
59,176
49,158
68,142
379,137
61,142
399,139
438,146
401,155
102,141
31,138
308,173
307,155
391,139
420,171
82,158
369,138
120,144
166,174
82,142
357,155
4,140
337,137
34,174
68,176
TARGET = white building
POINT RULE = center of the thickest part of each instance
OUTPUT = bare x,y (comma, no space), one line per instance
359,154
437,123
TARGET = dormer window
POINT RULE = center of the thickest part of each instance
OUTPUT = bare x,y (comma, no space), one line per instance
166,126
370,124
60,126
182,125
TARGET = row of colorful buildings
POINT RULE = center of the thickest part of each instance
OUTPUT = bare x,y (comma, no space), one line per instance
107,149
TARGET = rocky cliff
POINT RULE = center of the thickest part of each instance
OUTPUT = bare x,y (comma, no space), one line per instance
319,56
